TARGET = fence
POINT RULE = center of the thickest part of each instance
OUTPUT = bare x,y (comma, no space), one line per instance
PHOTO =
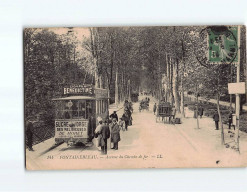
42,133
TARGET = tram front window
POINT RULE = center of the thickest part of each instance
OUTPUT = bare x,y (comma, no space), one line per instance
73,109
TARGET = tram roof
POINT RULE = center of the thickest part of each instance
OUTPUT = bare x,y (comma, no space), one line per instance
76,98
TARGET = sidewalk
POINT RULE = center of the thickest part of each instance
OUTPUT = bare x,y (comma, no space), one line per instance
223,103
209,139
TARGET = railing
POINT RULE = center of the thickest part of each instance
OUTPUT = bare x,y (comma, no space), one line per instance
42,133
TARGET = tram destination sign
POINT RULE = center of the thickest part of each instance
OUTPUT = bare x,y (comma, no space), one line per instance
78,90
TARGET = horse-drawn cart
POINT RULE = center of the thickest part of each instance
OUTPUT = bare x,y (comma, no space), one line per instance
144,105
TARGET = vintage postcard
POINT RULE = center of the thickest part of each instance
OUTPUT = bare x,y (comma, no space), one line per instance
135,97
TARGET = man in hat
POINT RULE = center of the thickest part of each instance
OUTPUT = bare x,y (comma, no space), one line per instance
200,111
114,115
154,108
216,120
230,119
29,133
115,135
105,134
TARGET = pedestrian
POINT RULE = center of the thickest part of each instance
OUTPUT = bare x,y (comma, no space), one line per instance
115,134
126,120
131,107
186,110
230,119
216,120
126,104
121,124
97,132
200,111
195,112
29,133
114,115
154,108
104,134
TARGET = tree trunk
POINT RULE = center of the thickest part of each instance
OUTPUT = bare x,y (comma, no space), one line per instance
197,119
175,86
170,82
116,89
220,120
182,82
167,78
129,90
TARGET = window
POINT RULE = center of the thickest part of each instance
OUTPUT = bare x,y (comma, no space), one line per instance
74,109
82,109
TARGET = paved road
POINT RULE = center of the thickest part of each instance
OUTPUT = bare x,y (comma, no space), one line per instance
146,144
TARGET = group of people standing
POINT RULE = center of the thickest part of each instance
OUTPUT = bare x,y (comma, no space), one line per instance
110,128
106,130
216,119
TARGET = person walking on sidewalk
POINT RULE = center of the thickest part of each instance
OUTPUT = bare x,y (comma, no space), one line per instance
126,120
230,119
105,134
216,120
115,135
195,112
200,111
186,111
154,108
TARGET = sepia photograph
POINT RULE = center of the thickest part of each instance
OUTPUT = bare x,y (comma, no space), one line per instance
135,97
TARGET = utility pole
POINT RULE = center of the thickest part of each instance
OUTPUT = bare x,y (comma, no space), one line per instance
238,96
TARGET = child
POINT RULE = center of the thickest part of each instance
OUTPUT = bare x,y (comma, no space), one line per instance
121,124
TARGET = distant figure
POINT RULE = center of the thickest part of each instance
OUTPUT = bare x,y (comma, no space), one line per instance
195,112
230,119
186,110
154,108
114,115
115,135
126,104
200,111
216,120
29,133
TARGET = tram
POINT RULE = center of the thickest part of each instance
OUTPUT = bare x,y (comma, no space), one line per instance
77,112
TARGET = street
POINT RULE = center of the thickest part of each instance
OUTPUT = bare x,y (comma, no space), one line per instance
147,144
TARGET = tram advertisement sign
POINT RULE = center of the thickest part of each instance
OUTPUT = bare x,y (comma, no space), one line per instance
223,44
71,129
78,90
